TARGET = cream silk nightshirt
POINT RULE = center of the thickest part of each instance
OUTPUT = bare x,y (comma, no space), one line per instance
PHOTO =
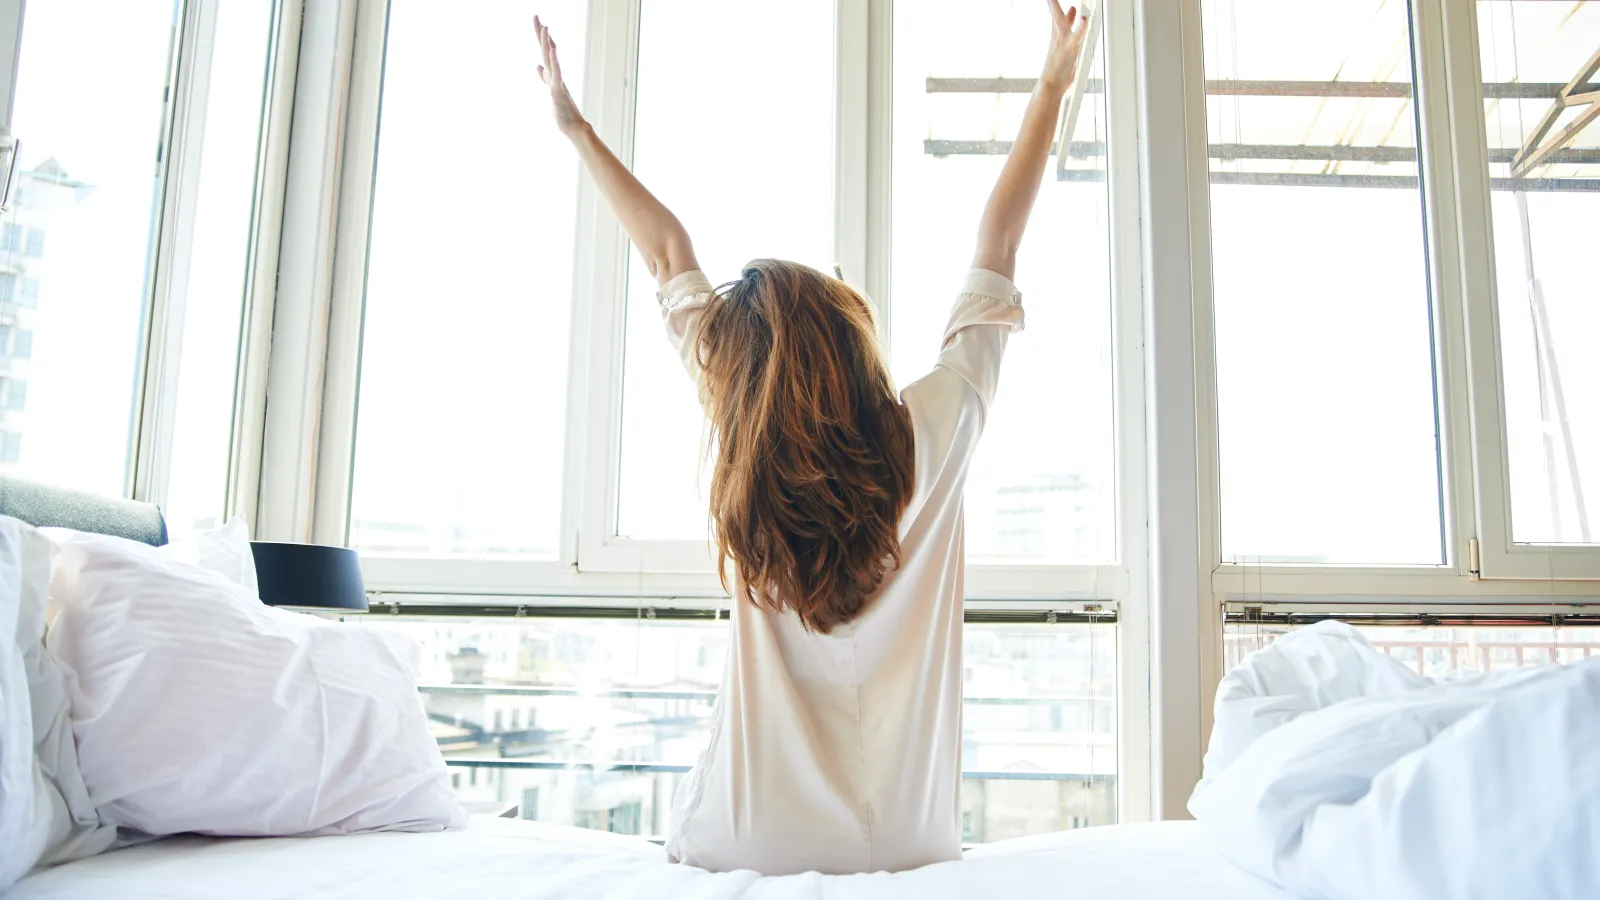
841,752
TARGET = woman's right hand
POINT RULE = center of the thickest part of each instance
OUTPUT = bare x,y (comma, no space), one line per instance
568,118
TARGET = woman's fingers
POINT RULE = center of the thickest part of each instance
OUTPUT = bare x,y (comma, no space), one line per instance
1056,12
550,71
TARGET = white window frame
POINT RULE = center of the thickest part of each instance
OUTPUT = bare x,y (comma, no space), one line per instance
182,131
1499,557
593,558
1475,514
163,351
291,466
1454,179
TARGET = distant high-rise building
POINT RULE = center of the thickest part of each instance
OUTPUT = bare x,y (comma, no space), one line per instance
1049,514
38,196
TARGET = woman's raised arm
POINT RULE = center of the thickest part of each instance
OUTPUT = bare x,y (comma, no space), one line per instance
655,231
1006,215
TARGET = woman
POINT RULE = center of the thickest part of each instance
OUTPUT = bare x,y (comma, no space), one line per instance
836,740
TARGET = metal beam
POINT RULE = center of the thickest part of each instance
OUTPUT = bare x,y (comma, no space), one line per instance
1336,152
1400,90
1093,149
1258,616
387,605
631,768
527,690
1402,182
1577,92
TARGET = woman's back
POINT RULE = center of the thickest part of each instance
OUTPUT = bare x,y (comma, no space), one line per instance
840,752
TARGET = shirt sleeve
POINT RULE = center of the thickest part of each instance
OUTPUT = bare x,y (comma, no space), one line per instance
988,310
683,304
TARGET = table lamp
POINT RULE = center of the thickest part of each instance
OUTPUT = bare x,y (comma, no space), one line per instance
310,578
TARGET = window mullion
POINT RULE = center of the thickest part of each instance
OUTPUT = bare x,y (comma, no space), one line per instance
1120,66
600,288
1180,405
180,188
852,115
1441,183
336,431
1480,341
250,396
879,91
10,57
285,505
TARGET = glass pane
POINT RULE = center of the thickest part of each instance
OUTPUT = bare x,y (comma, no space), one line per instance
1545,206
736,137
1042,485
461,430
1327,425
1438,652
592,722
218,259
75,246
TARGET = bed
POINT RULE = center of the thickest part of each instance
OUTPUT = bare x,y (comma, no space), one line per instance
1333,770
507,859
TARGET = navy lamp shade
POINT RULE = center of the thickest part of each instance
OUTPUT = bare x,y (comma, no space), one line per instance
309,577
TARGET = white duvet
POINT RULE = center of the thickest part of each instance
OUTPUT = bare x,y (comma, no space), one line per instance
1337,773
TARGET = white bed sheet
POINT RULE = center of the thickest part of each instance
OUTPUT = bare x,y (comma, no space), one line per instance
507,859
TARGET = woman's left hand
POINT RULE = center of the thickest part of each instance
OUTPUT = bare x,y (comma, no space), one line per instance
1066,42
568,118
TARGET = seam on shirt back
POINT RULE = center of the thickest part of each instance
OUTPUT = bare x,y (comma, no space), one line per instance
861,752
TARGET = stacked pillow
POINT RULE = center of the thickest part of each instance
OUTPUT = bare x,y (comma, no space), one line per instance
46,814
193,707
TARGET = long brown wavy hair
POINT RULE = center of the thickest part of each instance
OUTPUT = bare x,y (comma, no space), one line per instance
814,460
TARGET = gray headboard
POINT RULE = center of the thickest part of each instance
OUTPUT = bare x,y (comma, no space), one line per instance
43,505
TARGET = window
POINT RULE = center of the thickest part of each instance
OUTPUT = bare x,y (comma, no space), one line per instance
1327,425
21,344
625,705
217,265
30,293
1544,163
14,394
1042,486
10,447
88,142
8,287
11,232
761,144
463,393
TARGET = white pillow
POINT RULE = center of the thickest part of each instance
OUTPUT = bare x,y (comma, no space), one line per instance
199,709
45,812
225,550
